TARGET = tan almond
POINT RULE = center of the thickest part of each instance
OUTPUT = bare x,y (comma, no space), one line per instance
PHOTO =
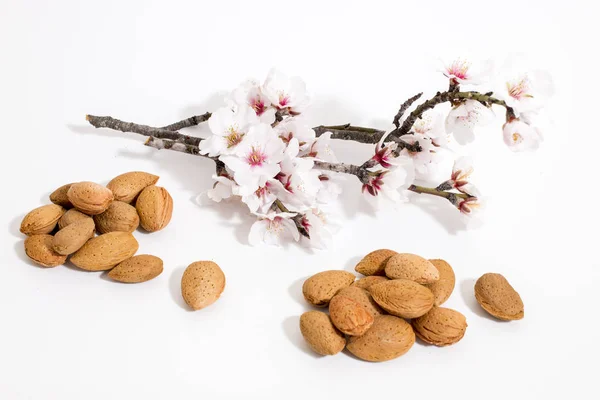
140,268
411,267
349,316
39,249
368,281
126,187
320,288
374,262
403,298
440,326
443,287
118,217
498,297
320,333
362,297
73,237
202,284
90,198
42,219
389,338
59,196
105,251
70,217
155,207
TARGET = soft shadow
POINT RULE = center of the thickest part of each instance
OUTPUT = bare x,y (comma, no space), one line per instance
295,291
175,288
349,354
351,264
442,212
20,250
467,292
291,328
15,226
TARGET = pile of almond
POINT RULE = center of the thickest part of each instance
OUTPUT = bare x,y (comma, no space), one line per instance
378,317
67,228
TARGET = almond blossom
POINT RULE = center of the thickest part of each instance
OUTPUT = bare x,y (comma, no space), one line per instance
465,117
425,160
293,128
286,93
321,150
430,125
273,228
320,226
461,70
250,93
520,136
526,91
256,158
228,128
389,185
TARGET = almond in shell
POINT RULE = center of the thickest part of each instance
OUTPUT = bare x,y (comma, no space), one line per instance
90,198
119,216
498,297
71,216
140,268
374,262
105,251
349,316
389,338
155,208
320,288
126,187
42,219
73,237
362,297
411,267
59,196
403,298
39,249
202,284
443,287
440,326
320,333
368,281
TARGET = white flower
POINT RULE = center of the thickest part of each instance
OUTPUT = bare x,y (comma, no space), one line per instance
463,119
285,92
330,188
321,149
261,200
472,208
462,169
462,71
223,188
424,160
228,128
291,128
256,158
389,185
249,93
520,136
527,91
273,228
319,228
430,124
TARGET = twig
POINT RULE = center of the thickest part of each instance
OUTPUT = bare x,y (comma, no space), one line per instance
166,144
405,107
186,123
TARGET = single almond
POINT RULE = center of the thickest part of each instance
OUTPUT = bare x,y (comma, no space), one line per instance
498,297
374,262
39,249
440,326
320,288
349,316
126,187
411,267
389,338
119,216
42,219
320,333
368,281
70,217
155,207
59,196
202,284
443,287
362,297
90,198
403,298
73,237
105,251
140,268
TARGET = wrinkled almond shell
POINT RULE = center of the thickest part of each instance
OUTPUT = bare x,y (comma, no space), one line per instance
105,251
320,333
41,220
140,268
202,284
374,262
498,297
320,288
389,338
39,249
440,326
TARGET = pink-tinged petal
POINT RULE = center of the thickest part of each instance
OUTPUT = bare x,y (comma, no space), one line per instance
257,232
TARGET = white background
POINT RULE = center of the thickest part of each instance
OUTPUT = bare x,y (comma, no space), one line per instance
68,334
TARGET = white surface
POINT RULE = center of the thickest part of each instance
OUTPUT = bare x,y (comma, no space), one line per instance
67,334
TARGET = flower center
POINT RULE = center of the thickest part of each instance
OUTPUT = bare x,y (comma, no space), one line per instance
519,88
256,157
459,68
284,99
233,138
517,138
258,105
275,226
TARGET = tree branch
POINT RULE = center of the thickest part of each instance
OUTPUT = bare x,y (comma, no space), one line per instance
186,123
405,106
